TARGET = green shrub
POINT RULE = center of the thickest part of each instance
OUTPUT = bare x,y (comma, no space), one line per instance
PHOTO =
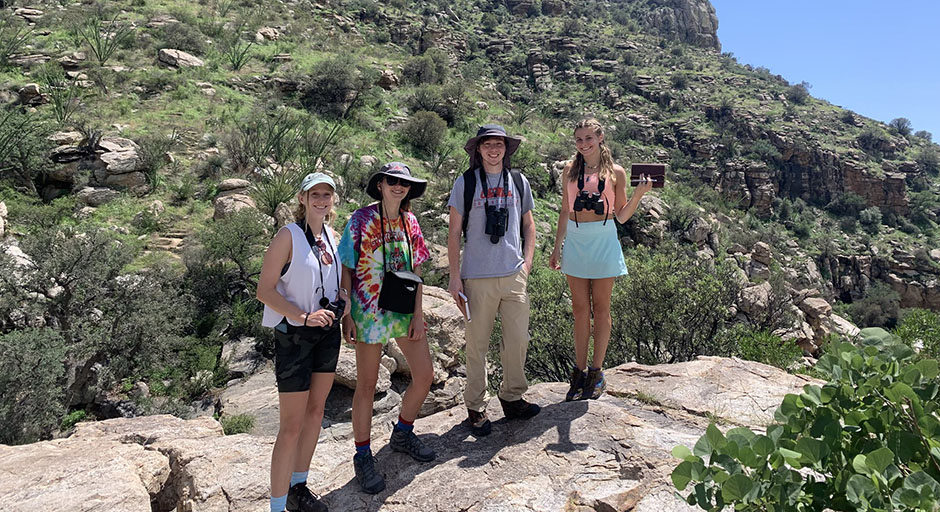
424,130
679,80
924,134
89,297
551,349
879,307
901,125
102,37
71,419
798,93
23,150
237,424
431,68
870,218
764,151
867,440
449,101
180,36
30,393
670,307
153,154
13,35
63,92
336,87
874,141
920,329
849,204
763,346
929,159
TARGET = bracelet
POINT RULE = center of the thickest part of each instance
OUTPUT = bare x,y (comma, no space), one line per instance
307,316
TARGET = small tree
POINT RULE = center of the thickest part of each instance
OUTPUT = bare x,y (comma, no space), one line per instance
798,93
425,131
924,134
431,68
336,87
901,125
929,159
30,391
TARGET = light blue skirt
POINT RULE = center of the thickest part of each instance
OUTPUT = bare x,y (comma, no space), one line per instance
592,251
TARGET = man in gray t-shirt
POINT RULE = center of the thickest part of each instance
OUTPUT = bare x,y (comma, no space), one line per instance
497,259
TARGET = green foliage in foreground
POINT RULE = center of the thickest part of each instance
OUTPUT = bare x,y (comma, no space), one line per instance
237,424
867,440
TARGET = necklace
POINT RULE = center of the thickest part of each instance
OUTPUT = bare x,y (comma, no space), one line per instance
592,167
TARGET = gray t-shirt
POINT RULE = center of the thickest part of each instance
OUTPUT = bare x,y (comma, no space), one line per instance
481,257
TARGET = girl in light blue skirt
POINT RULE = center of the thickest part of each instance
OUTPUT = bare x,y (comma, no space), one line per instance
593,195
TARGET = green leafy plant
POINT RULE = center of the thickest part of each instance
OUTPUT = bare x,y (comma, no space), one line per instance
867,440
102,37
236,50
64,94
237,424
13,35
920,329
763,346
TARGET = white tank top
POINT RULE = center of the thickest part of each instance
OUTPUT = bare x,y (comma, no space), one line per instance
300,285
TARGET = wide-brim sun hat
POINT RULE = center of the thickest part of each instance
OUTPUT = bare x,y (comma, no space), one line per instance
315,178
400,171
491,130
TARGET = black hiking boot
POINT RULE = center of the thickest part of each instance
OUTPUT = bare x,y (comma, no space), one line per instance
577,384
519,409
369,479
406,441
300,499
480,425
594,384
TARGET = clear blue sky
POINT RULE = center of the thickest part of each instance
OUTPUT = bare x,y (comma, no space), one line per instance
879,59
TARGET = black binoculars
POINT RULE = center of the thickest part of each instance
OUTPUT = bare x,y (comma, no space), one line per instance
496,220
590,202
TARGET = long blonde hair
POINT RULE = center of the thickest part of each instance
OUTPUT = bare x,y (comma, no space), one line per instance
605,169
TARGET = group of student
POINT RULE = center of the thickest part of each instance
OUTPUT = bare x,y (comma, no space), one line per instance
365,287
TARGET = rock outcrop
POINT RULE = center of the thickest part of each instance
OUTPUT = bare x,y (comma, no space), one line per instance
608,454
690,21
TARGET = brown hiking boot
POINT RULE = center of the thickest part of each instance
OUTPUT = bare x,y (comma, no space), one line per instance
480,425
519,409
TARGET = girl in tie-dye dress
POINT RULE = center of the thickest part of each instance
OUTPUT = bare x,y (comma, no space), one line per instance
365,255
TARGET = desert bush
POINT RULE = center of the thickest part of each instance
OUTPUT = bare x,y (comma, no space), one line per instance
929,159
102,37
23,150
83,290
848,204
13,35
424,130
237,424
551,350
431,68
336,86
64,94
236,47
920,329
449,101
864,440
870,219
679,80
267,136
924,134
764,151
798,93
880,307
180,36
873,141
30,392
762,346
672,307
153,154
901,125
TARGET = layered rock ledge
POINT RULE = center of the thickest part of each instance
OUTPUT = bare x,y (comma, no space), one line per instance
612,454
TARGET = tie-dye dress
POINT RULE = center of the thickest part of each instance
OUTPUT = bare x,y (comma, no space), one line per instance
361,249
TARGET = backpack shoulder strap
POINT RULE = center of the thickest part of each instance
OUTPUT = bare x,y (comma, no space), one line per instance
469,187
517,181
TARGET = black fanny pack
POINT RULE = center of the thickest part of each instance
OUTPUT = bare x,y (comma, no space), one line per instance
399,287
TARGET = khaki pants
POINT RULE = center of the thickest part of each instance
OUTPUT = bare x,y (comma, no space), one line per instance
507,297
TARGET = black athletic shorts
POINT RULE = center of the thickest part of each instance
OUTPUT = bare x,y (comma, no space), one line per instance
302,351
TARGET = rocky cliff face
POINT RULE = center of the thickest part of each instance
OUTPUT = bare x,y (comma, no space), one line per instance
609,454
689,21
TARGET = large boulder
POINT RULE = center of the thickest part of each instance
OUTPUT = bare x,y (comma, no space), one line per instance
346,371
227,205
97,196
179,59
255,396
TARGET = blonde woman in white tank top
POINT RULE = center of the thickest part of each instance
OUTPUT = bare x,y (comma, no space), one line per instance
300,289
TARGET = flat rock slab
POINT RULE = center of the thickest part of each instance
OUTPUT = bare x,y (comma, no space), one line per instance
610,454
741,392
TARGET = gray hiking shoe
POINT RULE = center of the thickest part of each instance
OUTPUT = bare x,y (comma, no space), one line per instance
369,479
406,441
